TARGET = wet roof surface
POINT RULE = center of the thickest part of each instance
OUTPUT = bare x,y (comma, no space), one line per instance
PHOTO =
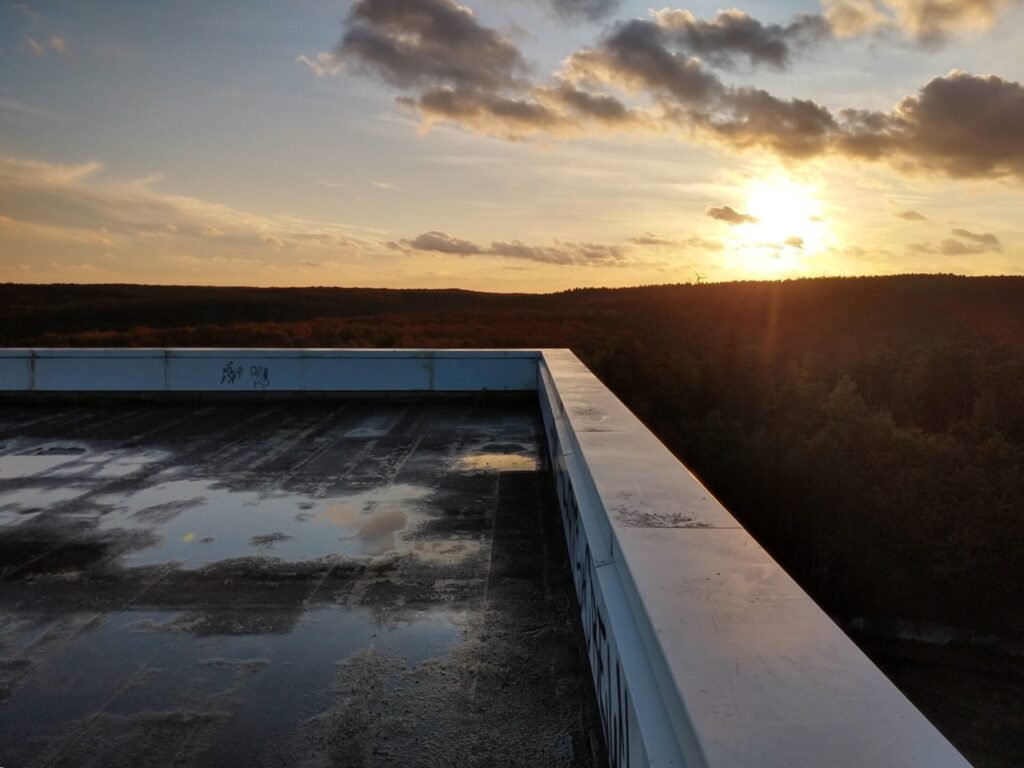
360,584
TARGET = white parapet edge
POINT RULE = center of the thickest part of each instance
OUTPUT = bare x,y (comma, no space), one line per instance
737,666
704,652
266,370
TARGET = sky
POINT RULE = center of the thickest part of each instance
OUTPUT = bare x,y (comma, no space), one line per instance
508,145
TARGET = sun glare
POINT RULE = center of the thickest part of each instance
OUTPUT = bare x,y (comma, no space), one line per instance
786,230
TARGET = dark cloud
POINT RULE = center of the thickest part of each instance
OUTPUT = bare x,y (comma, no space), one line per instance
637,55
561,109
598,107
750,117
443,243
910,216
591,10
965,125
729,215
793,241
489,113
732,33
960,125
427,43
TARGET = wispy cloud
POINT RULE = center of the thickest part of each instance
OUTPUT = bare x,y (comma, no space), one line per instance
910,216
13,105
78,203
965,243
34,47
562,253
321,65
40,50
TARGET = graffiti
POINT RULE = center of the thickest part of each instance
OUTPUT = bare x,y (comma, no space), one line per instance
612,694
230,374
259,375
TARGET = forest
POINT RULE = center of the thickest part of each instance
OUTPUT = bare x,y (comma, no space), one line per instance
868,431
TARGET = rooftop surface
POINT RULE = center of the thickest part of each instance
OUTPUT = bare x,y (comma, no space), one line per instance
286,583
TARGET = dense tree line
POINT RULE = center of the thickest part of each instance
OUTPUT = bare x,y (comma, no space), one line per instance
869,431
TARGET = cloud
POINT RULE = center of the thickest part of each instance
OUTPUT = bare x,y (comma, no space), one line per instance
961,125
987,240
637,57
410,43
910,216
968,244
752,118
40,50
443,243
562,253
28,12
565,253
462,73
45,203
849,18
794,241
36,48
732,33
591,10
927,21
558,110
322,64
729,215
649,239
488,113
25,109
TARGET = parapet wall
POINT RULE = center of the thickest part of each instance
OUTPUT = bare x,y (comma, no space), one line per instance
266,370
704,653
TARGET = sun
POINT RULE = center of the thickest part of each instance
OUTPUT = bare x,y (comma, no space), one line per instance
785,232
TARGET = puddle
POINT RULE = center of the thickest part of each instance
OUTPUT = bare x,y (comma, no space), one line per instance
198,522
376,425
121,677
24,504
111,464
30,465
498,462
64,460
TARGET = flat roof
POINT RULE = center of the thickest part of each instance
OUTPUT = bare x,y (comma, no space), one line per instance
286,583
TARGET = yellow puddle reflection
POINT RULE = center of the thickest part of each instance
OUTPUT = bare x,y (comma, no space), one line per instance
497,462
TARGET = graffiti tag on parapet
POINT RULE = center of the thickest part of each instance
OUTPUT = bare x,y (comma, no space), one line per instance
230,374
259,375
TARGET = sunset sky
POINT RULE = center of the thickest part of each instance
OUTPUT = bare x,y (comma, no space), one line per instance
508,145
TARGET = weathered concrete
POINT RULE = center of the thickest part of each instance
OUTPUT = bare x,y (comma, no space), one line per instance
286,584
